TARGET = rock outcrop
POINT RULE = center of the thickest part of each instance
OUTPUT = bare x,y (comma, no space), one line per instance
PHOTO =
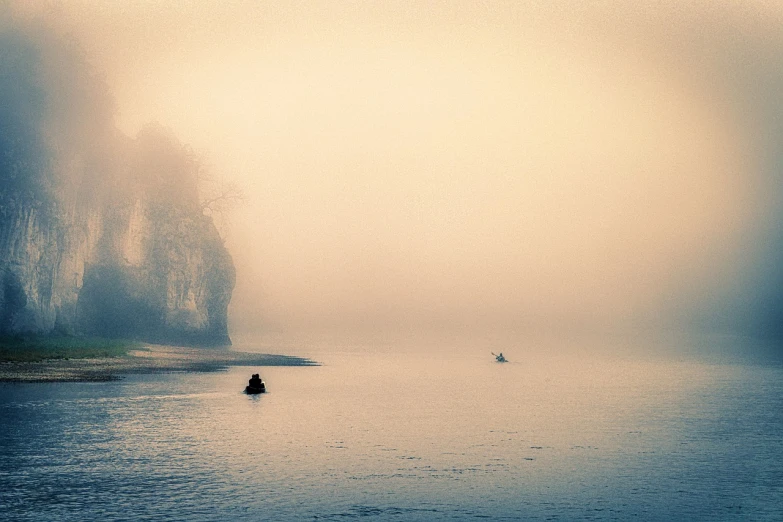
141,267
100,234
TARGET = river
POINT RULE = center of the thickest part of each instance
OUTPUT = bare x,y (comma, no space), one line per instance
405,434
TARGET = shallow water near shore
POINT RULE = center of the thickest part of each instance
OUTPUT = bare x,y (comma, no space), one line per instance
403,435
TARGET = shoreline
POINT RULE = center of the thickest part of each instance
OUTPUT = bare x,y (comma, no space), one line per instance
149,359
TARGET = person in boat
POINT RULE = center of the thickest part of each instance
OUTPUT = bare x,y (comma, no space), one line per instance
255,381
500,357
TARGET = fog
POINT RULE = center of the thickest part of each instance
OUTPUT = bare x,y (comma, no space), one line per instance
466,166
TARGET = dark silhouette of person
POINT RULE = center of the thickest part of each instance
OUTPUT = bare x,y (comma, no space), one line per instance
255,381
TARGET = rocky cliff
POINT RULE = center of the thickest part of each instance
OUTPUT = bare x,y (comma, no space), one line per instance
100,234
139,266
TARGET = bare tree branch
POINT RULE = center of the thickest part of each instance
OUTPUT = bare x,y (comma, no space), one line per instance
229,196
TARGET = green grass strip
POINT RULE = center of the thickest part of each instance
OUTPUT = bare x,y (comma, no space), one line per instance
40,348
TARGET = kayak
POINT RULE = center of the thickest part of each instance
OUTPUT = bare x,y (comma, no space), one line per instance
499,357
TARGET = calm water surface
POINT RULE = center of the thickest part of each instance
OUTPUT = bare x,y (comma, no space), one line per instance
403,437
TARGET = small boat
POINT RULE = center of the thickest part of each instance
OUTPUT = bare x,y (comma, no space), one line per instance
255,386
499,357
252,390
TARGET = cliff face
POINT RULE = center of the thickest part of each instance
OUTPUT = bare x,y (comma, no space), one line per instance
167,276
138,270
99,233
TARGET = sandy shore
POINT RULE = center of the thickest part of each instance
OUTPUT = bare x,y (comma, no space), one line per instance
151,359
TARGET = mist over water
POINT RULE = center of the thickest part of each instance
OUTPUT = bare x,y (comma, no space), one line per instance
455,167
593,189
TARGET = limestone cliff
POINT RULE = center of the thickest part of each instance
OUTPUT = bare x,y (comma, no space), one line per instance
99,233
133,265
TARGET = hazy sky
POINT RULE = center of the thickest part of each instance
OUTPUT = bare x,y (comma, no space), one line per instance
470,164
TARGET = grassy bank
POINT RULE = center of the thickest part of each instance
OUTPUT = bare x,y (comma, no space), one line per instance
41,348
73,359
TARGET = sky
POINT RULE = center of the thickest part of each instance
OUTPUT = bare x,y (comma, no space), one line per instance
471,165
